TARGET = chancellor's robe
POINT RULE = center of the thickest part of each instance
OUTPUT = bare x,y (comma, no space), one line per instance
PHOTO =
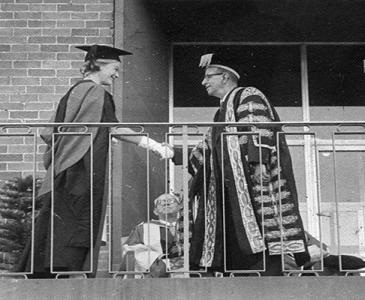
255,219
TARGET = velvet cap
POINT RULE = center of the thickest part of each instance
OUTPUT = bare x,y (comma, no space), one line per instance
220,60
101,51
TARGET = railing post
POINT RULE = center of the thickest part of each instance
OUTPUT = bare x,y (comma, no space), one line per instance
309,153
186,197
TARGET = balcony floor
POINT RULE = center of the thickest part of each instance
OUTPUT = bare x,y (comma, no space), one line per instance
189,288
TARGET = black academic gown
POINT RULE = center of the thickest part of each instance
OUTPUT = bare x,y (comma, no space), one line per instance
72,235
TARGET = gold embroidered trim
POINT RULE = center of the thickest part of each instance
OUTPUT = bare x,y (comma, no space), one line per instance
211,223
271,211
289,232
243,139
249,91
257,188
274,222
275,171
275,184
265,132
296,246
247,213
263,199
251,107
269,198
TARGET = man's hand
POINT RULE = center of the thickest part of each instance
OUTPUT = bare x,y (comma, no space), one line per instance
260,170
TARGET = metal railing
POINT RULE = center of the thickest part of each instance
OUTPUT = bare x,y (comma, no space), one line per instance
344,143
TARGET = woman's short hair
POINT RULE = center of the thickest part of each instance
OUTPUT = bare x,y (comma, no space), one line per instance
91,66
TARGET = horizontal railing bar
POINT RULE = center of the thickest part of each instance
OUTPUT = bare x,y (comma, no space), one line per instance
130,124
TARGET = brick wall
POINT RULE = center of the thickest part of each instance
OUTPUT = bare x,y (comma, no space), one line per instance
38,63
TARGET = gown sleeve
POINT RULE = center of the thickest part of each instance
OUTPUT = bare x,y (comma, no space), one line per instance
254,107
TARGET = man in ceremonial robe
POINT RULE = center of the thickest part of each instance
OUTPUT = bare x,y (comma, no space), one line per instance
251,213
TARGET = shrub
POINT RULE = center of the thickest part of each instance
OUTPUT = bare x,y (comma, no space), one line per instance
16,209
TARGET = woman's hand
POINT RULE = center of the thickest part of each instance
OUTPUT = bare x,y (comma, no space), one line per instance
163,150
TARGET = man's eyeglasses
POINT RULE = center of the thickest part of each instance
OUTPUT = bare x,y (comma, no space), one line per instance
208,76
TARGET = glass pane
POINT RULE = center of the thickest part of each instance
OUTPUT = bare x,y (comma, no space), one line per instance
349,179
336,77
336,85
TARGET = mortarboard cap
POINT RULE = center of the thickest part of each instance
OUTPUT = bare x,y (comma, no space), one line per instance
219,60
102,51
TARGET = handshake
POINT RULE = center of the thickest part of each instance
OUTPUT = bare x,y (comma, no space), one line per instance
163,150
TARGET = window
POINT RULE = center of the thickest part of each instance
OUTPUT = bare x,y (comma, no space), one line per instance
275,70
336,75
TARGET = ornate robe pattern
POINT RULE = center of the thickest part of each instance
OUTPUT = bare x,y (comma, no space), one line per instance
268,215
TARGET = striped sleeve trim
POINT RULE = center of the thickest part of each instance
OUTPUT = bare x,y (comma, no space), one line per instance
297,246
250,91
289,232
267,199
287,220
271,211
251,107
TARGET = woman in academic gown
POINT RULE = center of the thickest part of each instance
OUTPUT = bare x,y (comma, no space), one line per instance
87,101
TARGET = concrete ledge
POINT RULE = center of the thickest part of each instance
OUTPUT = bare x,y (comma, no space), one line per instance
189,288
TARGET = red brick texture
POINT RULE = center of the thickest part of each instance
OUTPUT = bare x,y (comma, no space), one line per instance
39,62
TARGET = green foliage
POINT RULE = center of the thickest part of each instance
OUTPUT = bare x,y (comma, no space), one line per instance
16,211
